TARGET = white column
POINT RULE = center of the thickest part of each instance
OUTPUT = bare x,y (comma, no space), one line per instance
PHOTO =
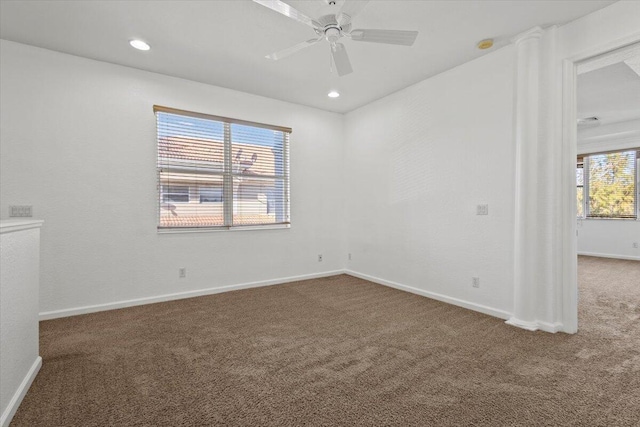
527,139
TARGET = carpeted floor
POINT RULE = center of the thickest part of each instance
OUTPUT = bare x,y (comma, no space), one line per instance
341,351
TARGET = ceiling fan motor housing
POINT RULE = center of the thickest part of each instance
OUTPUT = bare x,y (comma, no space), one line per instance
332,34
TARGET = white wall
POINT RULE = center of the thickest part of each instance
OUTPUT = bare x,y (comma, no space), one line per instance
19,275
78,143
609,238
605,27
448,142
613,136
606,237
418,162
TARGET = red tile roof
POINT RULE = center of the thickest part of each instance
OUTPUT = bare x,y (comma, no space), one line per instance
250,158
214,220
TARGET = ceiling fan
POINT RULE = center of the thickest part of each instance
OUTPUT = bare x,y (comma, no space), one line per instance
332,27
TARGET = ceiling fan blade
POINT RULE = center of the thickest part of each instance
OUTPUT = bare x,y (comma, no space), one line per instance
405,38
350,9
293,49
341,59
288,11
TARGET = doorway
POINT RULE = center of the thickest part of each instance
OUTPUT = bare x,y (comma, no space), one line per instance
602,143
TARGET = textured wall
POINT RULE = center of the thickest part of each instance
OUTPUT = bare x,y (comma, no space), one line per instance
611,238
19,275
418,162
79,144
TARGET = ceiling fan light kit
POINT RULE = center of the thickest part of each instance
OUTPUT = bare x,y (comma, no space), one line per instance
333,27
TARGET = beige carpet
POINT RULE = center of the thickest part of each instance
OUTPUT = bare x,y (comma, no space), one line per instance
341,351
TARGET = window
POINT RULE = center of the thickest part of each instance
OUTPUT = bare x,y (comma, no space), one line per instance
607,185
174,193
580,187
210,194
216,172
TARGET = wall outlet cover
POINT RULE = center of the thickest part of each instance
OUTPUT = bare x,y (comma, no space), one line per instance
21,211
482,210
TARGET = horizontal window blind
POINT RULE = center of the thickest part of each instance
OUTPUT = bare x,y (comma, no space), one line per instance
580,187
220,172
609,182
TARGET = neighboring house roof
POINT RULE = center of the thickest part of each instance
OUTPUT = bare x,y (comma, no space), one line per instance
200,152
213,220
200,162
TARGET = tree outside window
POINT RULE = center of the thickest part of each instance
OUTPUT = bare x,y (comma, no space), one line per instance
608,181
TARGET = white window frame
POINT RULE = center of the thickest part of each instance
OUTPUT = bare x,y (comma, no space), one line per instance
228,175
585,199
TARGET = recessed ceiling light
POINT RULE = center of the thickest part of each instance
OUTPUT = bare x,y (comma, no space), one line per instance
139,44
485,44
333,94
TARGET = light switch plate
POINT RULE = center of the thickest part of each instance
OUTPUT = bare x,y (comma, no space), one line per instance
20,211
482,210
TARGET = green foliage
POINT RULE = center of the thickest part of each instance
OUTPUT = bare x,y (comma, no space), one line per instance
580,194
612,185
580,189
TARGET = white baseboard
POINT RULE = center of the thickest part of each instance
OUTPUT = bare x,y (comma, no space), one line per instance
550,327
47,315
522,324
535,326
629,257
15,401
449,300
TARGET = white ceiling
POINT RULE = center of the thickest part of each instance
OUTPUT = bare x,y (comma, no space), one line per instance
224,42
611,93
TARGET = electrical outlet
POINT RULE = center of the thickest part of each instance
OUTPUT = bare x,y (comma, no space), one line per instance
482,210
20,211
475,282
319,257
635,245
182,272
349,256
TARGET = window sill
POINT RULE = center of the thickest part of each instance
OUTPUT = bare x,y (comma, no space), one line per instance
180,230
606,219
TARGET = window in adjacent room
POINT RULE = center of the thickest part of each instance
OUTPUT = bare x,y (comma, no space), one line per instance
607,185
580,187
217,172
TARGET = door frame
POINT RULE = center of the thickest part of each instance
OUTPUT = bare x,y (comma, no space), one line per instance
569,154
